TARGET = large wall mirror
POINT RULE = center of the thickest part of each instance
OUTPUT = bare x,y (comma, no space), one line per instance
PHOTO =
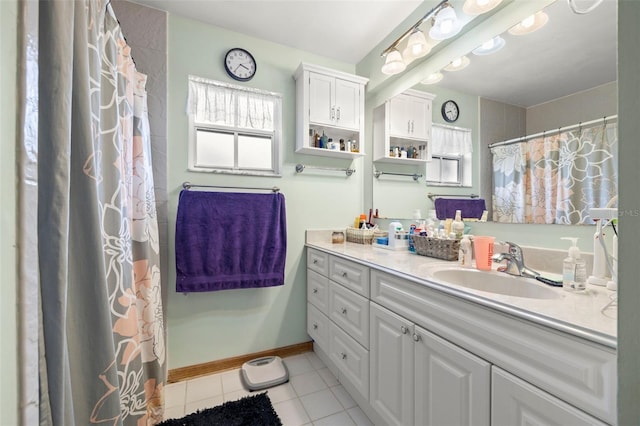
561,75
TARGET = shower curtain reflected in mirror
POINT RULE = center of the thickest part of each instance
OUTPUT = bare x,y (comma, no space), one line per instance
102,346
556,179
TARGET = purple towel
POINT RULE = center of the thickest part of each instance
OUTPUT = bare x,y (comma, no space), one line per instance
230,240
446,207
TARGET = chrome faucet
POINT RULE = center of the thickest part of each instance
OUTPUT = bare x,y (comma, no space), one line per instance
515,262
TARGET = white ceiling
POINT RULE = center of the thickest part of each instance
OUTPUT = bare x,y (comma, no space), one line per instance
571,53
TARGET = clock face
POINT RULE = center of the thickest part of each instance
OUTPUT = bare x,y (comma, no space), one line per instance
240,64
450,111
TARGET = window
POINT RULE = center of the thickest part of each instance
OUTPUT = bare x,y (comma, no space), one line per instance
450,163
234,129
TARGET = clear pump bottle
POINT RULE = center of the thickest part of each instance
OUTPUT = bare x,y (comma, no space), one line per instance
574,270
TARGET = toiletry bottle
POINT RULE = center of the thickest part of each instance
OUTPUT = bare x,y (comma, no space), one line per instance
412,231
363,221
457,227
464,254
574,270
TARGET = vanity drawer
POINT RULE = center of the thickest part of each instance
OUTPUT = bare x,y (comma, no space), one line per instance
350,358
318,261
350,311
318,326
351,275
318,291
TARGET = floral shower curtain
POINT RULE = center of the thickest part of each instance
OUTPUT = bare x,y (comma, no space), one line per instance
102,350
556,179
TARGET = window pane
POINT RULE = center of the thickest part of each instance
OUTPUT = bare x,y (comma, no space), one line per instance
254,152
214,149
433,170
450,172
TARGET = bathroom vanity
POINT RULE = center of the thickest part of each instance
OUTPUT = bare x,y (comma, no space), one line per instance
412,347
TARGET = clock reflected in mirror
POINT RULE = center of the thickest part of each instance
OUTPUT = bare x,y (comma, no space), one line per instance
240,64
450,111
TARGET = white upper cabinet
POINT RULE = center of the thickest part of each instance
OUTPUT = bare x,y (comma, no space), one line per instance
403,123
329,103
410,116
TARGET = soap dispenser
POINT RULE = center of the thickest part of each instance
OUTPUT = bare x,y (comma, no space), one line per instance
574,270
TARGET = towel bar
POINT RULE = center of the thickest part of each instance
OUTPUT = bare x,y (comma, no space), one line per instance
432,197
415,176
189,185
300,168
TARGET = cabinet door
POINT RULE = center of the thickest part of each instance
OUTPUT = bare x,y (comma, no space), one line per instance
399,116
452,385
318,327
321,99
347,104
391,356
318,291
420,113
516,402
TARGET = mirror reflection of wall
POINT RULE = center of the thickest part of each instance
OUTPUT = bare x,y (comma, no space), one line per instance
535,83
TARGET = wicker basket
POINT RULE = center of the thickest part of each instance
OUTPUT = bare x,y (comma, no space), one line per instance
436,247
360,236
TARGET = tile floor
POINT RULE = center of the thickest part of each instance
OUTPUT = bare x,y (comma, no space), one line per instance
313,396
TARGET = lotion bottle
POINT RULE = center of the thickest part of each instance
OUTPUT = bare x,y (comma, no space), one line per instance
457,226
574,270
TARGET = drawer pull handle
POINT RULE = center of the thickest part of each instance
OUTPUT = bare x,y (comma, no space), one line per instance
416,337
315,291
315,326
404,329
344,274
343,355
343,310
315,261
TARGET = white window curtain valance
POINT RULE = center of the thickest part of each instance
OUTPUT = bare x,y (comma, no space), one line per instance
448,140
215,102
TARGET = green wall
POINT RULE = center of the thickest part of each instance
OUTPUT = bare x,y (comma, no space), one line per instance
204,327
8,313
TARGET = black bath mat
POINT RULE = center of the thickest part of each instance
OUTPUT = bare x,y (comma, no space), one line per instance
253,410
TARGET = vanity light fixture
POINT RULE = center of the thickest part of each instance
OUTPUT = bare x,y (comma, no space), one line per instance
393,63
417,46
458,64
432,78
530,24
412,51
445,24
478,7
489,46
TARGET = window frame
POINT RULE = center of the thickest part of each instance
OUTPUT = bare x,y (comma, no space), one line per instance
275,135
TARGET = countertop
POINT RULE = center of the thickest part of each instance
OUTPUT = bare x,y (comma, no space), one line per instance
580,314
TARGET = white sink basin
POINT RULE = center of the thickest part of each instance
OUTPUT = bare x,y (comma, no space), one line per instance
496,282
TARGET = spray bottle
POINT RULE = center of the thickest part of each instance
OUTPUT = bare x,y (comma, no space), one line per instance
599,273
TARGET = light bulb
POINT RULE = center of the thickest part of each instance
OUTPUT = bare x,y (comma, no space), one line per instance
446,26
528,22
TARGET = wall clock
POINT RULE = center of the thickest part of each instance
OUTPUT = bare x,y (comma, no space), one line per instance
240,64
450,111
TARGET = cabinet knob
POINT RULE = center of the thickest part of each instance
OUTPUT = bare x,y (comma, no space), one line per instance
338,114
315,261
333,112
343,355
404,329
315,326
344,274
315,290
343,310
416,337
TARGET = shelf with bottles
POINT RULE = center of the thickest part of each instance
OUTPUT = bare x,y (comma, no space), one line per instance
406,151
329,141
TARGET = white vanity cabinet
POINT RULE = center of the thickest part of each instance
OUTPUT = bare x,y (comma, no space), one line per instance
329,102
419,378
403,121
338,318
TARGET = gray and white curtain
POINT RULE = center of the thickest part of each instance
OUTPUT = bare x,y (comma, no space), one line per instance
556,179
102,354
